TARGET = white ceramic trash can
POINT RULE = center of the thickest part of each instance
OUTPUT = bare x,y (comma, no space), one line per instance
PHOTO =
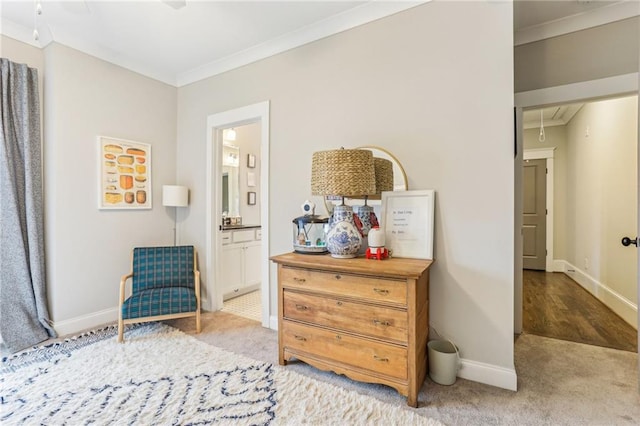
443,362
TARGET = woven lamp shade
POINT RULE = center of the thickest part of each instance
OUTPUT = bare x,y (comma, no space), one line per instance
384,177
344,172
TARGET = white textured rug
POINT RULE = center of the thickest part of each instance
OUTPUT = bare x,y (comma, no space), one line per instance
162,376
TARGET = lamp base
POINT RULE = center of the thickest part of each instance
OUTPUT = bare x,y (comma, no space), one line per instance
343,238
344,256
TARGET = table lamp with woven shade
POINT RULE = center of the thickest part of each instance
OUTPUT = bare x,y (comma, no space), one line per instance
346,173
384,182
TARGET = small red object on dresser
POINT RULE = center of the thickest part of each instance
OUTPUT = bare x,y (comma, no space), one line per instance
376,249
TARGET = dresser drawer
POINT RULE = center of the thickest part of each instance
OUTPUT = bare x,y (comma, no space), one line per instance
374,356
375,321
372,289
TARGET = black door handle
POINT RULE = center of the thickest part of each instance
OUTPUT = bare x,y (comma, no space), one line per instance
626,241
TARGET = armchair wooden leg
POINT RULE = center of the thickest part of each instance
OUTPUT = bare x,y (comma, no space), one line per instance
198,321
120,331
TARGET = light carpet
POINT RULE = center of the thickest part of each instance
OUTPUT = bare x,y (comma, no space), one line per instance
160,375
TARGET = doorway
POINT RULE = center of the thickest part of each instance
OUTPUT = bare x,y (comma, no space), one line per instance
590,251
241,222
217,124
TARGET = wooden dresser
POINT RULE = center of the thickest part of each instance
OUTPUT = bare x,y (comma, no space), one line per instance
366,319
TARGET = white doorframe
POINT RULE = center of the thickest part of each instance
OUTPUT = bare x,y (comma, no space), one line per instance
216,123
626,84
545,154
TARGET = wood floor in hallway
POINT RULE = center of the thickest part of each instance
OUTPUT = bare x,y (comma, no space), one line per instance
556,306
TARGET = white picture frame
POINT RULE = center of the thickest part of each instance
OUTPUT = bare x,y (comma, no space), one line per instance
124,174
251,179
251,161
407,220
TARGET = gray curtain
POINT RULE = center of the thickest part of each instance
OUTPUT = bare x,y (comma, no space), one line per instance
24,317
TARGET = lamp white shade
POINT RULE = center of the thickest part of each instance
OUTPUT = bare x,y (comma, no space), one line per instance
175,196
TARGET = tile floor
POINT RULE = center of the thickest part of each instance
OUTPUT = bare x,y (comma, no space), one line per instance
248,306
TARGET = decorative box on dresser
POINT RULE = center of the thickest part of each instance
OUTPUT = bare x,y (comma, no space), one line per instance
367,319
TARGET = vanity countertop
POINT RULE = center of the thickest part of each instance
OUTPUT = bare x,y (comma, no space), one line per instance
235,227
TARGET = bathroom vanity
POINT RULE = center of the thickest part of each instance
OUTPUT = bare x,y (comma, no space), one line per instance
241,251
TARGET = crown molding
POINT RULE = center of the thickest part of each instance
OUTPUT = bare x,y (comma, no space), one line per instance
349,19
23,34
592,18
344,21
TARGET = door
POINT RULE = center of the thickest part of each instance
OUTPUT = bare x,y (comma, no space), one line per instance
233,272
534,214
252,263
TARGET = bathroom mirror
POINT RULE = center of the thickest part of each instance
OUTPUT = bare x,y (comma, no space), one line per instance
230,180
400,182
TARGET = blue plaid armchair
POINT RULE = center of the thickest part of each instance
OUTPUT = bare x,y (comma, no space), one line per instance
165,284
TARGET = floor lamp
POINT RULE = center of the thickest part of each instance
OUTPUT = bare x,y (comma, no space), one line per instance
175,196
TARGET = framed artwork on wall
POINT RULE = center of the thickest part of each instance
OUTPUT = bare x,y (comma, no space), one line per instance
408,222
251,179
251,161
124,174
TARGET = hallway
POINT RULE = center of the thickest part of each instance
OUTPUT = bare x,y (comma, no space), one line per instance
556,306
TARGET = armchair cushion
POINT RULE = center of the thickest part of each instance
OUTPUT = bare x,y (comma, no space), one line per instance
165,284
159,301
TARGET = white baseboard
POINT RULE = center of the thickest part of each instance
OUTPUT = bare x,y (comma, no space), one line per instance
95,319
622,306
85,322
505,378
559,265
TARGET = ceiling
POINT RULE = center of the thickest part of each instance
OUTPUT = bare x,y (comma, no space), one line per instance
552,116
182,41
156,39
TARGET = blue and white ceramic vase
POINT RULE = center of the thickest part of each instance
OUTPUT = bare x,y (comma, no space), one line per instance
343,238
367,217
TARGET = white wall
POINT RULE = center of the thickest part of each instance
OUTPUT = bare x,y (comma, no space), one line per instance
602,189
597,52
88,250
248,139
433,85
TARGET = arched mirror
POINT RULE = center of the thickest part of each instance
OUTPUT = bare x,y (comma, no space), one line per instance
400,182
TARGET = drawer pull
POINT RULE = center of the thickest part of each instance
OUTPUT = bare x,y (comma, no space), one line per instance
378,358
338,276
339,303
301,307
301,338
299,280
382,323
381,291
338,337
